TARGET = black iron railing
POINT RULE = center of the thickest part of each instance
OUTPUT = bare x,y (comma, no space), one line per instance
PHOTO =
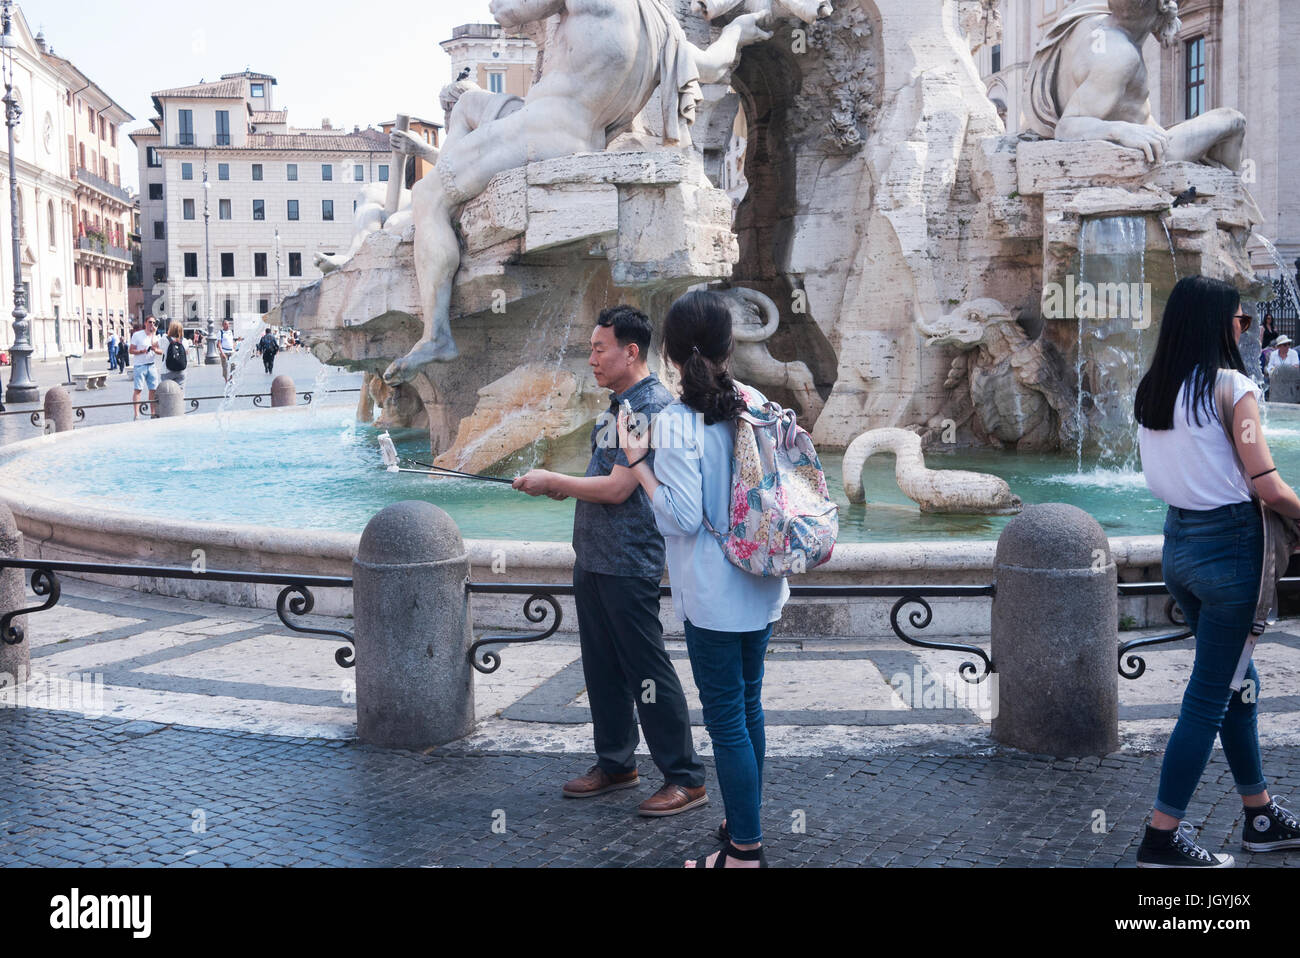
259,400
1132,665
542,604
295,597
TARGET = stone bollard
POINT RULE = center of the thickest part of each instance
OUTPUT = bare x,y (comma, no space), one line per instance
58,409
283,392
170,400
1284,384
1056,635
415,686
15,660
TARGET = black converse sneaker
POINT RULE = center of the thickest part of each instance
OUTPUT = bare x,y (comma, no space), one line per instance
1270,829
1177,849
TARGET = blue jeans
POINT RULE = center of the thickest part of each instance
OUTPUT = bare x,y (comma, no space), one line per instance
1212,563
728,670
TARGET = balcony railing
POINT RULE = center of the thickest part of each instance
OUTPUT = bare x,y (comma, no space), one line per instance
104,186
92,245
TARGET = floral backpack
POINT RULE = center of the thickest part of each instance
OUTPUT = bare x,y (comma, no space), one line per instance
783,520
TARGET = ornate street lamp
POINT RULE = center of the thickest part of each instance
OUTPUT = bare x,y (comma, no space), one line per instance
22,388
210,358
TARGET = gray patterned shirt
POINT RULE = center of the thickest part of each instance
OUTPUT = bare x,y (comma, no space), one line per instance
620,539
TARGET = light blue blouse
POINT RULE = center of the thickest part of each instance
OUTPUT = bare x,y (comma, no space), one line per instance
693,465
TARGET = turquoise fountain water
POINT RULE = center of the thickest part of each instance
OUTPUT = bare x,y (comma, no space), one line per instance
324,471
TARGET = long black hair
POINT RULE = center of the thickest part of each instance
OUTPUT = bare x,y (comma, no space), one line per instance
1196,341
697,337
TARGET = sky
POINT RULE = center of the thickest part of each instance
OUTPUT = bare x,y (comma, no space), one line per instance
356,63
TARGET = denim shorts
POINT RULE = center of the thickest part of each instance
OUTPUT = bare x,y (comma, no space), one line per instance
146,377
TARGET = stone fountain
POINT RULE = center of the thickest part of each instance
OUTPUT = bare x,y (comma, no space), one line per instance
897,261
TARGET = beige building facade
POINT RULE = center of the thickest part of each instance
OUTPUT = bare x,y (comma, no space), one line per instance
496,61
73,213
1231,53
275,196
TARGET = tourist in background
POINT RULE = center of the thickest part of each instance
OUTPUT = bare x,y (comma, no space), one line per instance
123,354
1212,562
1268,333
728,612
175,361
268,347
112,352
226,344
1283,355
616,576
146,351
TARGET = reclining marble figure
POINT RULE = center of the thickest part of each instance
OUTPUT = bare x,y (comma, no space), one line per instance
1088,81
608,57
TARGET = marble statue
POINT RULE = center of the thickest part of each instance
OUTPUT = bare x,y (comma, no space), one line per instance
1088,81
608,59
809,11
1017,386
755,320
946,491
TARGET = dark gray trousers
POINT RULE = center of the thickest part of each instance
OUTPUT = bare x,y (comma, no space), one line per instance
626,666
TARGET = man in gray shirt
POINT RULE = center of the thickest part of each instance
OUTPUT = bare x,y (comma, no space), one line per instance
620,564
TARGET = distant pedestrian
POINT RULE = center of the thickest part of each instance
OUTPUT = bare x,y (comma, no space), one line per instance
112,352
175,362
268,347
1268,332
123,355
226,342
146,353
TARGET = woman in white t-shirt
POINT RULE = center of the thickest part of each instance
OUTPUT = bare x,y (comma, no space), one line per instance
1212,561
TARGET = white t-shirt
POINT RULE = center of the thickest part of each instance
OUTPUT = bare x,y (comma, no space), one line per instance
1194,467
1292,359
142,340
227,341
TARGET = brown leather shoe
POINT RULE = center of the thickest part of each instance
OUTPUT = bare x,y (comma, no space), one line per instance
598,782
673,800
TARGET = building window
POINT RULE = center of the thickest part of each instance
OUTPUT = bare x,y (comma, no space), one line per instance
159,230
151,157
293,209
227,264
191,265
327,210
327,172
54,239
358,173
223,128
112,136
259,265
383,172
1195,50
259,209
99,278
223,171
228,309
295,264
997,58
223,210
187,171
185,122
257,172
496,82
187,209
258,90
263,306
76,274
156,190
160,273
291,172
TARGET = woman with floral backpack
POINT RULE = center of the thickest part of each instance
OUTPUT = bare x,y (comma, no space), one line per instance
728,612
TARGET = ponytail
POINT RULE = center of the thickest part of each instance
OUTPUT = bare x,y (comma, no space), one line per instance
697,337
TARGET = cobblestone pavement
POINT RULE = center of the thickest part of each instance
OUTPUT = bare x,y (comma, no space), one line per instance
104,792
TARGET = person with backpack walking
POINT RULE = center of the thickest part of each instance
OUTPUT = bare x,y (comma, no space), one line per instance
1204,454
176,360
268,347
728,610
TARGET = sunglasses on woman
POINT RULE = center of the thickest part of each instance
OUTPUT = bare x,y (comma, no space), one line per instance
1244,320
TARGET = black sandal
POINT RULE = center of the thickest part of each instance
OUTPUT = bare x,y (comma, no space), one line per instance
729,850
722,834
